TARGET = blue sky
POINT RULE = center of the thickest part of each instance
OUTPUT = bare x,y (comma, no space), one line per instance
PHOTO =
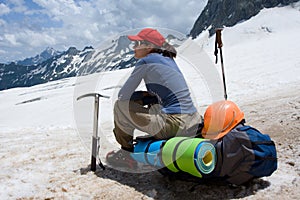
27,27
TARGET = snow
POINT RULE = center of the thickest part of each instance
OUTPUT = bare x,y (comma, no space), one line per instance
45,132
257,60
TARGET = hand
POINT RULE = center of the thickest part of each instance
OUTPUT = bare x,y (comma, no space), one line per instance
144,98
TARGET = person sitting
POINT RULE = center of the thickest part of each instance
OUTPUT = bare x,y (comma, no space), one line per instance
172,113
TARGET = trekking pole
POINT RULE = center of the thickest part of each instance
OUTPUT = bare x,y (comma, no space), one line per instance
219,44
95,139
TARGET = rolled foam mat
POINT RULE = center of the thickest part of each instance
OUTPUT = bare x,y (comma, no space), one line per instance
195,156
205,157
148,152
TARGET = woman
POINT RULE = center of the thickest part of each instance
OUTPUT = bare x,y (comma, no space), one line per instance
173,114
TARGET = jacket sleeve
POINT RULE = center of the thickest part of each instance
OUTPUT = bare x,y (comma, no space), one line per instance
133,81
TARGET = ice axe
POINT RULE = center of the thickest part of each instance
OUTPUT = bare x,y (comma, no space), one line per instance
219,44
95,139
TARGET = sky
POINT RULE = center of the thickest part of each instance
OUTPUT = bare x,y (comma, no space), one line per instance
27,27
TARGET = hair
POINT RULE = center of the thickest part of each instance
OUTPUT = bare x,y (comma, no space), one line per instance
166,50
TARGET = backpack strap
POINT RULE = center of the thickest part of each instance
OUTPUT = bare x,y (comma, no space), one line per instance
264,142
146,151
160,152
175,152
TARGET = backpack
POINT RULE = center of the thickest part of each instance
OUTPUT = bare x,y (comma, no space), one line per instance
245,153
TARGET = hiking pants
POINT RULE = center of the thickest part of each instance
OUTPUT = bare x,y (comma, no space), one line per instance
130,115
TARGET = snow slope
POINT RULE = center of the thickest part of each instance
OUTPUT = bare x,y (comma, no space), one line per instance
45,132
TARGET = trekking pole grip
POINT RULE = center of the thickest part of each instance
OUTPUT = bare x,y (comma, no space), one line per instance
218,37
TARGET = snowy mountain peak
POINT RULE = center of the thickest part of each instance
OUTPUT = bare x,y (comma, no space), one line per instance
49,52
122,44
88,48
72,51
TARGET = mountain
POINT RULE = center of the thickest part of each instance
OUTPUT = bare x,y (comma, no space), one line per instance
117,54
220,13
45,55
56,67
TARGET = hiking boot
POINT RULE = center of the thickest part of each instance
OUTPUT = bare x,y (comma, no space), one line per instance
121,158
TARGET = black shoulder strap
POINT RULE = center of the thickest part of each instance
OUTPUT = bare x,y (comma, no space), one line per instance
146,151
175,152
270,142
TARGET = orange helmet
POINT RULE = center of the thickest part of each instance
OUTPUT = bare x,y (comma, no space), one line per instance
219,118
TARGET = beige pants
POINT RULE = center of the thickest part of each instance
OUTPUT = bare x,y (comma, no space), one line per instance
130,115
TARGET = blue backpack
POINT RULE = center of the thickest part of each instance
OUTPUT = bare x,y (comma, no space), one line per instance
245,153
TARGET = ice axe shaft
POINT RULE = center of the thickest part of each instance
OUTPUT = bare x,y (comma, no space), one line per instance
219,44
95,139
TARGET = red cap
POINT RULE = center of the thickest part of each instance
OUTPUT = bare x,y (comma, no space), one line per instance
150,35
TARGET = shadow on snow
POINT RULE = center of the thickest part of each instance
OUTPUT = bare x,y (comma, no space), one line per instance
158,186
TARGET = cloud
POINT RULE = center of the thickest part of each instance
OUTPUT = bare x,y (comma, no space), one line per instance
4,9
63,23
18,6
11,39
2,23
